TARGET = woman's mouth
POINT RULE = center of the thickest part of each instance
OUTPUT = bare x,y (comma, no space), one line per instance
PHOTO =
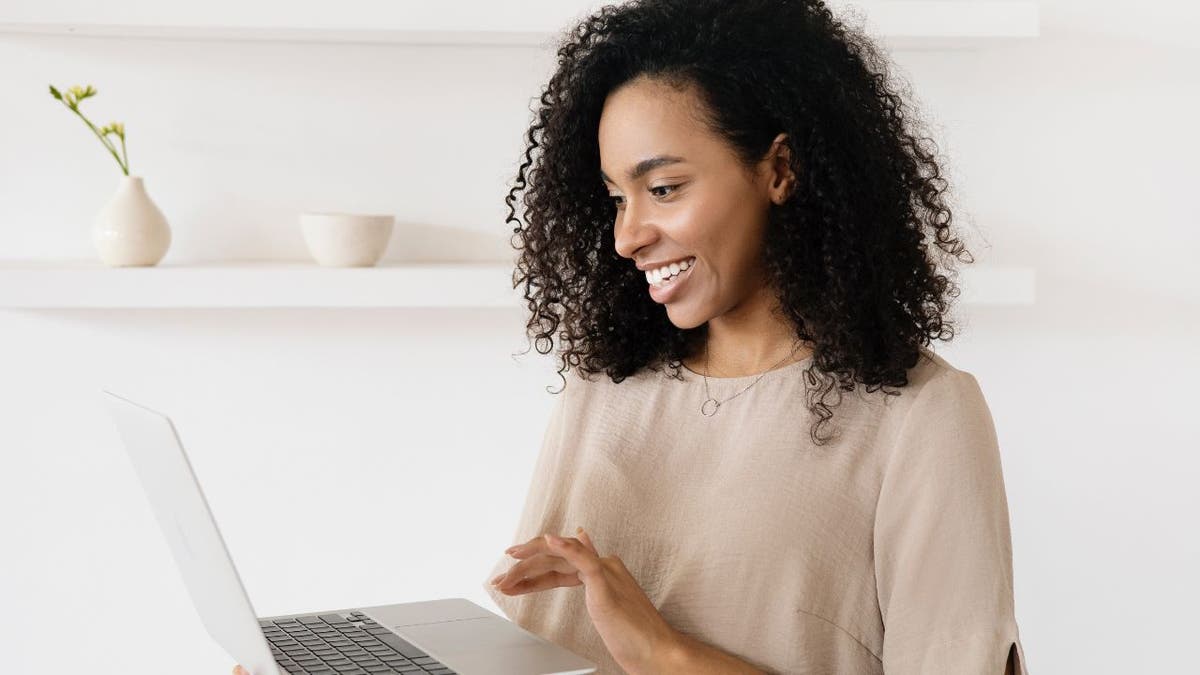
665,289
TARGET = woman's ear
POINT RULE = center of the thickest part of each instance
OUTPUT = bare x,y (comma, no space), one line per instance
779,165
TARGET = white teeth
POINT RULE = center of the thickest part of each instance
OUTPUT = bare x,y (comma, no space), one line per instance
668,272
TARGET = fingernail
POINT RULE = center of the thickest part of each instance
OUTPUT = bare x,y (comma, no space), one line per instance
579,530
497,578
510,549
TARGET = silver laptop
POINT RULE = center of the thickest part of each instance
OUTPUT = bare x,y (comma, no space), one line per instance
447,636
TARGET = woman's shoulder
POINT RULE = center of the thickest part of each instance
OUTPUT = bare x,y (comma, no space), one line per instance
932,376
935,372
600,391
931,372
938,393
933,369
651,375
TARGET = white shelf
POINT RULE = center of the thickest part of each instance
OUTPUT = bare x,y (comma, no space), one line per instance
237,284
904,24
27,284
287,34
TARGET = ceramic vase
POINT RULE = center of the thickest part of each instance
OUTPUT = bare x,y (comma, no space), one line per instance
130,231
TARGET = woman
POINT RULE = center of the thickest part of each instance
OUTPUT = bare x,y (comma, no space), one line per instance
757,147
732,190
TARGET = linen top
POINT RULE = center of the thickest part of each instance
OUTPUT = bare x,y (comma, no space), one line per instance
886,550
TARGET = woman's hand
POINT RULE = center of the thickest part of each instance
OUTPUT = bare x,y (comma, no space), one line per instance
238,670
636,635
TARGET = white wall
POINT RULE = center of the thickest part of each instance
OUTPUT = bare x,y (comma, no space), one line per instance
1073,154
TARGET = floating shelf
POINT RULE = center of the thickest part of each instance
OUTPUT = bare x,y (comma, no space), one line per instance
904,24
27,284
233,284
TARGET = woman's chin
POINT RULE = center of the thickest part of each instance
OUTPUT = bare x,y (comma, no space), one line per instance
683,318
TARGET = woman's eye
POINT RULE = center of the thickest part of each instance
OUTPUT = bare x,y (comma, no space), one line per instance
619,204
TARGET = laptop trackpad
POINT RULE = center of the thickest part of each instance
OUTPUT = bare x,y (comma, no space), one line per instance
491,645
481,633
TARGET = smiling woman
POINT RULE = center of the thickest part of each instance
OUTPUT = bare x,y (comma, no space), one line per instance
729,200
763,141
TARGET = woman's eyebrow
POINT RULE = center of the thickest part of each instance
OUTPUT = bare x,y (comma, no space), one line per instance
645,166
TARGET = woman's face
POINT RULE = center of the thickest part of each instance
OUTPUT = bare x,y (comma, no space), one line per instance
681,194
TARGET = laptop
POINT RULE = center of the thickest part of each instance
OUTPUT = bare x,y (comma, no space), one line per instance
439,637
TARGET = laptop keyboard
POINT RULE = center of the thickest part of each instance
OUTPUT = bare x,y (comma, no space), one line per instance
325,644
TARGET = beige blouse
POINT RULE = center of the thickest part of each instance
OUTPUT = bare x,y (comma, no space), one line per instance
886,550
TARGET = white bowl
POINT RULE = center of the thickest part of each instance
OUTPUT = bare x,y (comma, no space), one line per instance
346,239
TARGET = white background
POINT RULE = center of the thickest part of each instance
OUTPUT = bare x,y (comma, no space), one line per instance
359,457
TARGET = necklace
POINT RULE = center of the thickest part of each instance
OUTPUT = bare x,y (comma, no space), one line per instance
704,407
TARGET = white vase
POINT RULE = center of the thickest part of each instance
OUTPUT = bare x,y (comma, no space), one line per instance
130,231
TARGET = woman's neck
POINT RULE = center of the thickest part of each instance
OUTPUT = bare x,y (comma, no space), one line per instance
737,358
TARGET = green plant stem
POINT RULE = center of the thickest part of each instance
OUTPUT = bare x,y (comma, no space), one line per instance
111,149
124,155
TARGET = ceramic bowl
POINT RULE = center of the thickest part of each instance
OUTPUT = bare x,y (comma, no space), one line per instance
346,239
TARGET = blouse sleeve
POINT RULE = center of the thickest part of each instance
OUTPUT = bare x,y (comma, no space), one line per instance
943,552
540,497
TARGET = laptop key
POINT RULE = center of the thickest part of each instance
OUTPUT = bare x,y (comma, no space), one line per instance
395,642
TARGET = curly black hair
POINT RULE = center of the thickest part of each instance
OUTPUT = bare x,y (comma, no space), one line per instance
846,253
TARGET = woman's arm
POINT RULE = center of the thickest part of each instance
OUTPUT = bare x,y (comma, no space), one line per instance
689,655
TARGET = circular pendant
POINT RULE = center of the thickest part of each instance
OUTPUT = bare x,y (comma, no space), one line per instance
705,407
